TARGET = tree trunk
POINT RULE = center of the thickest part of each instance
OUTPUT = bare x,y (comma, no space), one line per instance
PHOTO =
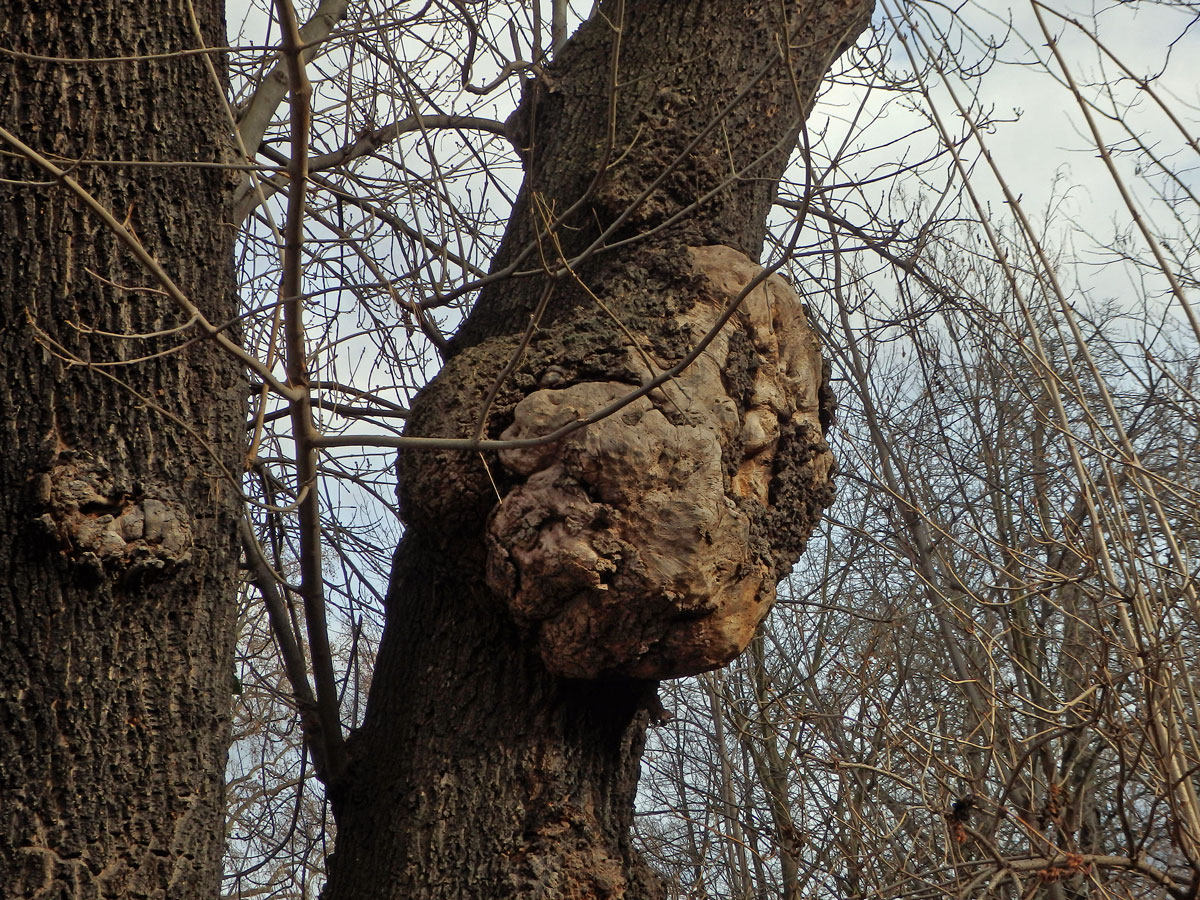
500,749
118,483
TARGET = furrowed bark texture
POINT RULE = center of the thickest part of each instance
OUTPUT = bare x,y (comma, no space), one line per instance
501,744
118,553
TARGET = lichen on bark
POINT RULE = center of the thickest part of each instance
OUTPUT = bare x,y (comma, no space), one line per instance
647,544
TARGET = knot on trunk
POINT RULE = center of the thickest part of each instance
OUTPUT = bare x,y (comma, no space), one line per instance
105,526
649,544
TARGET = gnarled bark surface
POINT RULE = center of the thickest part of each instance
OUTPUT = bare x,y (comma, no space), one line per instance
656,139
648,544
118,555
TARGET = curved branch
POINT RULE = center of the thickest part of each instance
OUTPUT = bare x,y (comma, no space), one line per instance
256,114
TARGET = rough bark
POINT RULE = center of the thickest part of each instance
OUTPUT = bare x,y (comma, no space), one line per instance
481,769
118,552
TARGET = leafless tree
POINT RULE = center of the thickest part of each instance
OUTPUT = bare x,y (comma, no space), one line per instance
559,277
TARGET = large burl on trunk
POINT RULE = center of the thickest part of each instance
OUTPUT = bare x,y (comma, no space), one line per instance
649,543
541,590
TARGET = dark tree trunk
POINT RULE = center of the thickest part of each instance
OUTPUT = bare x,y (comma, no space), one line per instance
118,553
481,769
477,774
